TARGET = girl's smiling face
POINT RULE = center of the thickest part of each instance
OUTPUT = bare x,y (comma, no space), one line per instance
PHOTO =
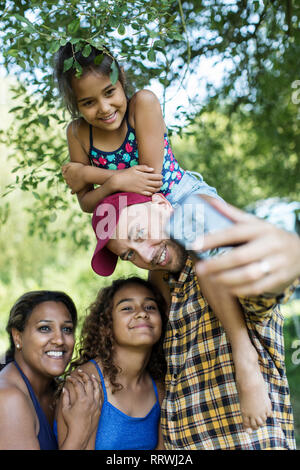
47,342
136,318
101,104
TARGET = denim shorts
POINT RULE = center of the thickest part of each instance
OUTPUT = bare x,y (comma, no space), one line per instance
191,183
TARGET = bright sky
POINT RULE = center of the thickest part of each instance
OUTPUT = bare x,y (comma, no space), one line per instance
191,90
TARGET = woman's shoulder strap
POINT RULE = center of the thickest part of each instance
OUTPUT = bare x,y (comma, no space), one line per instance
155,389
101,377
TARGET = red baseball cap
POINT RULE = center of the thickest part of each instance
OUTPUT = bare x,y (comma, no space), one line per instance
104,221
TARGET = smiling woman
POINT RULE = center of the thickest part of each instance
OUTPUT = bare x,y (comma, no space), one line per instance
41,332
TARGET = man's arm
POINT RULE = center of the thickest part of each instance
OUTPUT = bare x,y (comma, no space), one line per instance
266,260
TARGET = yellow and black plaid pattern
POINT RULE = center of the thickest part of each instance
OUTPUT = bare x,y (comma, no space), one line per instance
201,407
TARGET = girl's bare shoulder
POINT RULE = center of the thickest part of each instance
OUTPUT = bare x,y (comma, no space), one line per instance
88,367
144,105
78,139
143,97
78,129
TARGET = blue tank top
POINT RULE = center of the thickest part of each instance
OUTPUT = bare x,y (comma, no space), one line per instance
118,431
127,156
46,435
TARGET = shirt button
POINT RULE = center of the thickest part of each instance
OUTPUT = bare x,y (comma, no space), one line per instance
175,376
177,335
173,417
180,294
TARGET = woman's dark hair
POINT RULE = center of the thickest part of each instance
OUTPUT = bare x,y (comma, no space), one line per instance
97,60
22,309
97,338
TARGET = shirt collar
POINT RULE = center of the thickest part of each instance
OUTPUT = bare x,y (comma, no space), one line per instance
177,281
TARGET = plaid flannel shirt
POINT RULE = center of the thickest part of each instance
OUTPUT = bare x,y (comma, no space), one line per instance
201,406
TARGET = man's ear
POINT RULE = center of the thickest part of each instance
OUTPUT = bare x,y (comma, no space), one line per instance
158,198
164,204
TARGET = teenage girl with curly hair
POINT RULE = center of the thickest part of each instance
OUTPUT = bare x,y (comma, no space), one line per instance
121,344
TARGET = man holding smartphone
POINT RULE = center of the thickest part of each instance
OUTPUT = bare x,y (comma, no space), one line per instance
201,406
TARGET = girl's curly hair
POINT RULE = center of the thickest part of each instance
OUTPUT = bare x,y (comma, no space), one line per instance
97,338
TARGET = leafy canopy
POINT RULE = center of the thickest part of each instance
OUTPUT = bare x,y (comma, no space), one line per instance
243,135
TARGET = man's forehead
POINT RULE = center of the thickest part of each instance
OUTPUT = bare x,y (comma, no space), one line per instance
130,217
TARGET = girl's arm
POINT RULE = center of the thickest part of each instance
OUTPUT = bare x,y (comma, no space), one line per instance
135,179
89,198
79,174
149,127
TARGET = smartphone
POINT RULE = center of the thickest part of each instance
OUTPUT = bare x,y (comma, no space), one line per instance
193,217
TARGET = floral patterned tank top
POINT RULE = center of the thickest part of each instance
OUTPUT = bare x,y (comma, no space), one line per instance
127,156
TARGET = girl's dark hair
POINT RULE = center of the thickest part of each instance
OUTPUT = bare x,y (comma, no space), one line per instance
22,309
97,338
90,63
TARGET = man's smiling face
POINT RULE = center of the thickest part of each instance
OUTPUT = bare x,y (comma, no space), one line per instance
140,237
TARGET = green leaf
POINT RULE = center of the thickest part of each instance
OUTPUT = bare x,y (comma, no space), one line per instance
176,36
151,55
86,50
17,108
121,29
114,74
68,64
78,69
159,44
75,40
44,120
98,59
23,19
54,47
36,195
30,28
13,52
74,26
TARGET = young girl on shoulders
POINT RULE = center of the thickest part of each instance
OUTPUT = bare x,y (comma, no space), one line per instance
110,132
121,344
